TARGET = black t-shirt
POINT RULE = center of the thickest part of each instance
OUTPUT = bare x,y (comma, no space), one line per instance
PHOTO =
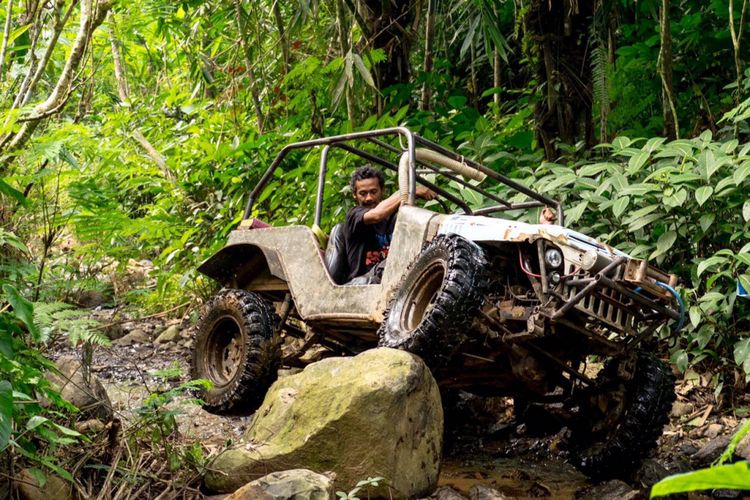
366,244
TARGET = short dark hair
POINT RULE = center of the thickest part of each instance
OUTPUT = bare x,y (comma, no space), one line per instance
367,172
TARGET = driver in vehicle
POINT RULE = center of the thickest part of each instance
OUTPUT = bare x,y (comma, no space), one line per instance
369,226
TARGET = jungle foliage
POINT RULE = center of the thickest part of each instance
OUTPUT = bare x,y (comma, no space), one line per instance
135,130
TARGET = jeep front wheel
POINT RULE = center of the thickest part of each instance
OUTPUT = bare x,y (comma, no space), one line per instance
235,350
437,300
621,423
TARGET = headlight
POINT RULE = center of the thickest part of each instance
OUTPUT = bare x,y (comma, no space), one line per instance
553,257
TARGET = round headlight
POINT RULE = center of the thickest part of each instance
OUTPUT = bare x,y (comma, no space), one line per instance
553,257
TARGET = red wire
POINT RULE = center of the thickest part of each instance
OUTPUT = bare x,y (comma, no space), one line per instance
523,268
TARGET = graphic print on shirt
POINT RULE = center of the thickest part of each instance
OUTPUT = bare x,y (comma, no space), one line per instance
373,257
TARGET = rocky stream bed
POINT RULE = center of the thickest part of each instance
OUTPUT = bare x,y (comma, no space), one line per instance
486,454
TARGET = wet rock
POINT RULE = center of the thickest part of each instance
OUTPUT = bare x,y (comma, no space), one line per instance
713,430
54,487
91,426
136,274
743,448
447,493
650,473
314,353
376,414
726,494
88,299
115,331
710,451
479,492
137,336
297,484
680,409
609,490
171,334
91,398
688,449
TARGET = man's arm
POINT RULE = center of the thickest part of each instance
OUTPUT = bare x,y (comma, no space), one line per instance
385,208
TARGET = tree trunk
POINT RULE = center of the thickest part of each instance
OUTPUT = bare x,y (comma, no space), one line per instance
283,40
389,22
559,32
736,44
429,35
496,78
669,112
6,35
249,65
342,27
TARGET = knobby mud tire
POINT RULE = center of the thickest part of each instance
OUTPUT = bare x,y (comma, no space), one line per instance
437,300
237,324
649,399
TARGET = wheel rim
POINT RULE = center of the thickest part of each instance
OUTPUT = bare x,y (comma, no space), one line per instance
225,350
422,295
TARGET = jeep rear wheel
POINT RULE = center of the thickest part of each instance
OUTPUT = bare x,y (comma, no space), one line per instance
622,423
234,349
437,300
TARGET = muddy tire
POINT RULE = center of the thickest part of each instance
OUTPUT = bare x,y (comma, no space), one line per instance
439,296
619,450
234,348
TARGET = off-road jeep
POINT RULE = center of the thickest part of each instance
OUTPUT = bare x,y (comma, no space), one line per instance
493,305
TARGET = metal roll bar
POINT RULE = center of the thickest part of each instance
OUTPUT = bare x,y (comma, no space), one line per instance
433,153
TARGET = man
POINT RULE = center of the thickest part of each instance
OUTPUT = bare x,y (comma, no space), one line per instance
369,225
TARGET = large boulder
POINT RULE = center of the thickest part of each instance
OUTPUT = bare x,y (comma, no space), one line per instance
89,397
376,414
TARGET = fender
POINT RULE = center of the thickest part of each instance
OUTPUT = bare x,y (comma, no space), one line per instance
237,265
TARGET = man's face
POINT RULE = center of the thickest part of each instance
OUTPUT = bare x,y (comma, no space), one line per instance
367,192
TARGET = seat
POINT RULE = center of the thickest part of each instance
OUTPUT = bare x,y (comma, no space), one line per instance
335,257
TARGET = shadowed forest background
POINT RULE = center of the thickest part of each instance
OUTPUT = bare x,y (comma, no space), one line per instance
135,130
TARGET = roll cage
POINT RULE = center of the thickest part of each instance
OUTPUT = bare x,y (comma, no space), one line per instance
410,154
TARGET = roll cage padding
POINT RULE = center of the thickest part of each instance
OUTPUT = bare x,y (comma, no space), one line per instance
335,258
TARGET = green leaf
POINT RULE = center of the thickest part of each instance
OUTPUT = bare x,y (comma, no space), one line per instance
23,309
710,262
703,193
11,192
620,205
695,316
559,181
677,199
746,210
745,281
620,143
644,221
742,172
664,243
35,422
575,213
6,413
366,76
653,143
67,431
743,257
595,168
680,360
731,477
706,220
637,161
